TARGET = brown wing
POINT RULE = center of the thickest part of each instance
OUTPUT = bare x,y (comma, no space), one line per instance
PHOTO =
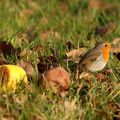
91,55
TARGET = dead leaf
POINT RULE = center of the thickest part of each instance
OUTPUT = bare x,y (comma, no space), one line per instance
107,29
58,79
28,67
96,4
116,41
7,118
100,5
75,53
101,77
86,75
7,49
115,48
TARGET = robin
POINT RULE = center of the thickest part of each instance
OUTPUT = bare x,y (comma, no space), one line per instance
96,59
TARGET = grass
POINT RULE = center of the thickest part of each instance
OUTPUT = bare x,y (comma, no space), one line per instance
50,24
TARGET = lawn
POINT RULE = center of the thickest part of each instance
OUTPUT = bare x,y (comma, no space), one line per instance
41,32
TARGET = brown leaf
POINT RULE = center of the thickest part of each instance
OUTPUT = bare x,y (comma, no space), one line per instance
58,79
116,41
96,4
86,75
75,53
107,29
115,49
101,77
100,5
28,67
7,118
8,49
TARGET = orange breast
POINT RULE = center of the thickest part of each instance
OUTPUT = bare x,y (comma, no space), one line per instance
105,52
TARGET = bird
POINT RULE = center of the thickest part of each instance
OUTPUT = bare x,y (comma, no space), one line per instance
96,59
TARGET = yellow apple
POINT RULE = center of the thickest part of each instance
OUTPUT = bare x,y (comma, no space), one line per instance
11,76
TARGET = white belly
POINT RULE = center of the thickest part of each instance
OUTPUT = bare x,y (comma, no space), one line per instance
97,65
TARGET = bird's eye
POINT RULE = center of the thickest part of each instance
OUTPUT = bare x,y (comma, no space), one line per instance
106,45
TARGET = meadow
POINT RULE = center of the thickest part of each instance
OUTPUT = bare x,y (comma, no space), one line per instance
47,30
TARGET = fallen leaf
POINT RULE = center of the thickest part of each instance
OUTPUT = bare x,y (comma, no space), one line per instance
7,118
86,75
100,5
107,29
96,4
7,48
75,53
28,67
116,41
115,48
58,79
115,108
101,77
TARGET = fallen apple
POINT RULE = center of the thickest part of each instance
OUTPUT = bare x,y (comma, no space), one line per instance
11,76
58,79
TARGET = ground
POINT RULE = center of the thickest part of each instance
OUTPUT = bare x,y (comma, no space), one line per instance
54,27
